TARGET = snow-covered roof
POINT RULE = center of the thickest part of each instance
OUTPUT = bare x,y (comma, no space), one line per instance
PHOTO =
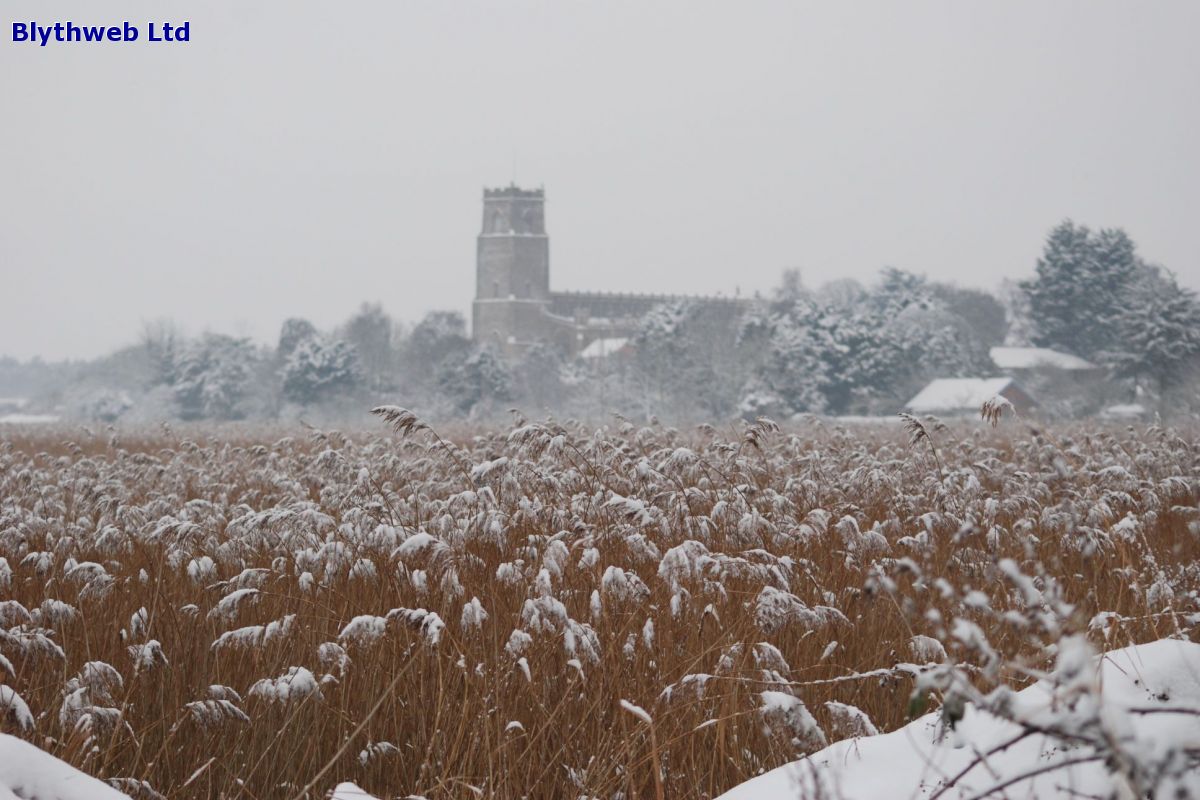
1036,358
603,347
954,394
1124,411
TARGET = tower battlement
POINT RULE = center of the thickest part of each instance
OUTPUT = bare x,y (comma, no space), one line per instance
512,190
513,211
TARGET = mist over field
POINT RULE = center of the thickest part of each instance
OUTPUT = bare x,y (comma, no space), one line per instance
618,401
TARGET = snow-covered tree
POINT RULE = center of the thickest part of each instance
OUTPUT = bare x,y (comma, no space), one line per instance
106,405
793,372
662,355
161,341
212,377
370,331
476,381
294,331
438,335
897,290
537,377
1018,316
861,350
863,358
1159,335
985,313
685,361
791,286
843,293
1082,284
318,369
930,342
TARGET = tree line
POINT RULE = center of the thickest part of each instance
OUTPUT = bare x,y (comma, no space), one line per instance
839,348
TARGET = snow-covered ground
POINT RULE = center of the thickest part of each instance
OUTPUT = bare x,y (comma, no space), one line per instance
1125,411
18,418
27,772
1150,705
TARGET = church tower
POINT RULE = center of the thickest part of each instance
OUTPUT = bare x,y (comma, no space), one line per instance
512,269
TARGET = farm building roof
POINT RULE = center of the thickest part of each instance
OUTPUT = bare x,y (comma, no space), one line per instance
1036,358
603,347
957,394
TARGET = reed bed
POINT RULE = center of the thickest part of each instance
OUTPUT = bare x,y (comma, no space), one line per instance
552,610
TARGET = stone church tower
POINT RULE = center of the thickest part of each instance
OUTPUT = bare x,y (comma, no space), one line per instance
514,307
512,269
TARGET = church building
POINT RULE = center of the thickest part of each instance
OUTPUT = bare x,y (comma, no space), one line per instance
514,305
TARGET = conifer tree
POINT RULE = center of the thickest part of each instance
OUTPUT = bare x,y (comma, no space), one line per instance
1082,284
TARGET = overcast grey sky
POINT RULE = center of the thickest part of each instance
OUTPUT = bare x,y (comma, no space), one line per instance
298,158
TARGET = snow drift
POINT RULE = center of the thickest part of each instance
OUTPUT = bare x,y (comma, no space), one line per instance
350,791
1145,699
27,772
